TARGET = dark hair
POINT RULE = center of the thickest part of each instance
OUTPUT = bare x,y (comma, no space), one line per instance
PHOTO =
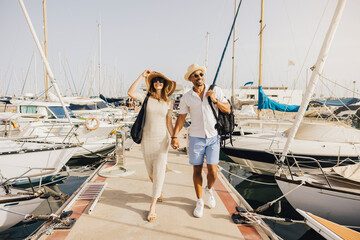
152,90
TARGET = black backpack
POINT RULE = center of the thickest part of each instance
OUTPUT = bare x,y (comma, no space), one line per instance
225,123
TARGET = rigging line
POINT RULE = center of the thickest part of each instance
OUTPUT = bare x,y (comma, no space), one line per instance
347,107
243,178
8,86
72,78
27,74
83,85
308,51
67,79
350,90
227,42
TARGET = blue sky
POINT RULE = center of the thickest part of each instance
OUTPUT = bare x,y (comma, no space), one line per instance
167,36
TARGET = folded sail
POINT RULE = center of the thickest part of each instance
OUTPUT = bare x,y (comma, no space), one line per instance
266,103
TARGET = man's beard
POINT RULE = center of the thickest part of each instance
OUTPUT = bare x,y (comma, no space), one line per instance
196,83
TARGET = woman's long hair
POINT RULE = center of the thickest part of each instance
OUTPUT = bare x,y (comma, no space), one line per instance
163,96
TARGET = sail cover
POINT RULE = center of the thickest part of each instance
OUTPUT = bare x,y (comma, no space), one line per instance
337,102
266,103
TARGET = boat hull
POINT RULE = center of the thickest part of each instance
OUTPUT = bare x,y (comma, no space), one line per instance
338,206
262,162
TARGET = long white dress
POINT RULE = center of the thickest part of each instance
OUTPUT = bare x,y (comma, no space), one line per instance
155,141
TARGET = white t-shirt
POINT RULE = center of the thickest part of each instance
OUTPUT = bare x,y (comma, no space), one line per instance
202,118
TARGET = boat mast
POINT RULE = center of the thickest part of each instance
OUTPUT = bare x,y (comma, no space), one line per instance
49,71
318,68
99,30
46,51
207,49
261,44
35,74
233,59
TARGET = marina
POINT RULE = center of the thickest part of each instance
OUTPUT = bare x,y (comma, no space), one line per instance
82,158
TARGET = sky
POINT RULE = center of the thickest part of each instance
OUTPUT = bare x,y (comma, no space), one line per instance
167,36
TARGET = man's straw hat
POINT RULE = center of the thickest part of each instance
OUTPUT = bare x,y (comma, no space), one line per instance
192,68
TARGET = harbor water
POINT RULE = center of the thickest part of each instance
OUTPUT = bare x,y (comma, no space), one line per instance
261,189
65,184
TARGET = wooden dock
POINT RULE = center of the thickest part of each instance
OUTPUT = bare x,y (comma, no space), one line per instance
123,207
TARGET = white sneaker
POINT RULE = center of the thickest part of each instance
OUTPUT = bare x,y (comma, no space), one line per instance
210,200
199,209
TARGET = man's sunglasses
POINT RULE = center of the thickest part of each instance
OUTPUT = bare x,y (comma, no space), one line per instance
197,75
160,80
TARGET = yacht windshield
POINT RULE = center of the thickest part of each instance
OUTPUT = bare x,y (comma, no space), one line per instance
59,112
76,107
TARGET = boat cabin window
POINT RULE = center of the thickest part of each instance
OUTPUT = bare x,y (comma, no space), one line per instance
60,113
28,109
37,110
250,96
77,107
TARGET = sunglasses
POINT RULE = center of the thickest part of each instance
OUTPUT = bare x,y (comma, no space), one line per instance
160,80
198,75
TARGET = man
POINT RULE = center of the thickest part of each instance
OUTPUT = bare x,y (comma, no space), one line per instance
203,137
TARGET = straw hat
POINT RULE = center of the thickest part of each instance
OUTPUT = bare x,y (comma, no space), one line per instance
192,68
170,86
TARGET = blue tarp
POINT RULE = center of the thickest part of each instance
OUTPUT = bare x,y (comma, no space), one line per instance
266,103
337,102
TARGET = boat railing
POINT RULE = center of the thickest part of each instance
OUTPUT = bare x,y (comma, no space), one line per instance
11,181
53,125
297,162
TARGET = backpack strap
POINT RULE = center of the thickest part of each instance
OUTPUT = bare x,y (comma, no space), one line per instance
211,103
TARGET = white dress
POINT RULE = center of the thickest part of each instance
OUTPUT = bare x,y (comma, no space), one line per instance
155,141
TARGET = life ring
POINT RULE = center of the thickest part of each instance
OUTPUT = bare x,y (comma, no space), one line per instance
137,109
89,123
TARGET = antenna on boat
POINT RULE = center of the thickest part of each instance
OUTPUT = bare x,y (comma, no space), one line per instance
49,71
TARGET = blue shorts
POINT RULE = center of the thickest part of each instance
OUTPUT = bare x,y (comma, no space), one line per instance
200,147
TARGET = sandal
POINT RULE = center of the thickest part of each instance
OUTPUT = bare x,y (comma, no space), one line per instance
151,217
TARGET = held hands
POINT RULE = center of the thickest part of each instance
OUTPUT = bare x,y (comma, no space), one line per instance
211,94
175,143
146,73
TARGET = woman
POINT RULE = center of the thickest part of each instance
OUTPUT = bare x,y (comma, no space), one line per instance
157,129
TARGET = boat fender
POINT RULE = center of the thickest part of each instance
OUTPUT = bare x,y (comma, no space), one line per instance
89,123
14,124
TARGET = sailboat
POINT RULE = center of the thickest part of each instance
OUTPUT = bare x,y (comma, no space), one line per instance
16,203
317,140
333,194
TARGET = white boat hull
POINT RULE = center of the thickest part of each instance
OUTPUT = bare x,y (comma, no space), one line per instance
17,164
8,219
338,206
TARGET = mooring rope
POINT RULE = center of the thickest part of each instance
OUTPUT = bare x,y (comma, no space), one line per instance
243,178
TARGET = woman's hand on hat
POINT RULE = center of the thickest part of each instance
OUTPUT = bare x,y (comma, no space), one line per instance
146,73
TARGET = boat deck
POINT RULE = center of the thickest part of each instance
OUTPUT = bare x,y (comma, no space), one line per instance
123,207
